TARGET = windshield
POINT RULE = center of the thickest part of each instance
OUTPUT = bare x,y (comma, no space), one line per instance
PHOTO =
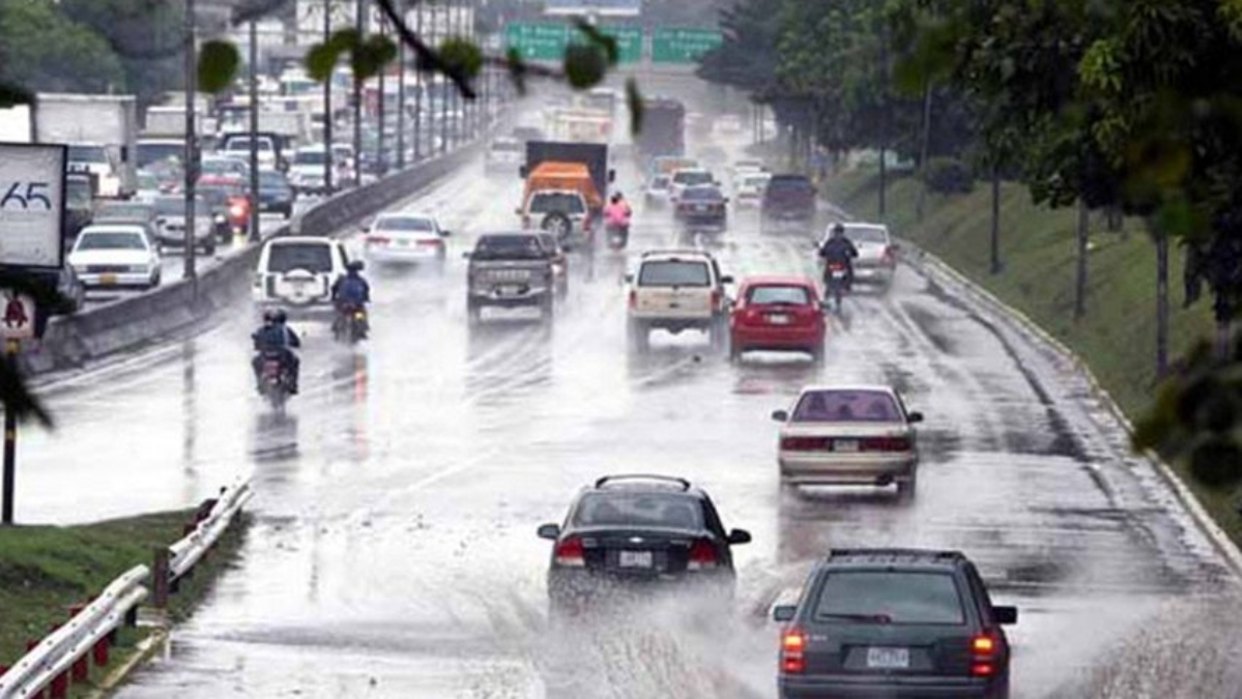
795,295
756,182
625,509
674,273
890,597
790,184
87,154
692,178
508,247
311,257
310,157
243,145
405,224
507,147
110,240
223,167
149,153
847,406
866,234
272,180
558,202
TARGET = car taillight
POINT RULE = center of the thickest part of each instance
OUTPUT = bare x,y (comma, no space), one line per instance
885,444
633,299
715,299
793,651
803,443
702,555
377,240
890,256
983,655
571,553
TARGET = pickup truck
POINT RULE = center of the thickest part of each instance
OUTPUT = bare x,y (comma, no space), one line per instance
509,270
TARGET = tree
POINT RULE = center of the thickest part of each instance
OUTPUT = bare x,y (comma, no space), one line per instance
147,37
41,50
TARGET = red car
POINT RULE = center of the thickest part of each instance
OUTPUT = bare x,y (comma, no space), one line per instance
777,313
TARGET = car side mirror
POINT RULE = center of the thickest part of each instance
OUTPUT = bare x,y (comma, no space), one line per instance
895,247
549,531
1005,615
522,172
466,255
780,415
612,175
445,234
518,211
363,227
726,279
784,612
914,417
629,279
739,536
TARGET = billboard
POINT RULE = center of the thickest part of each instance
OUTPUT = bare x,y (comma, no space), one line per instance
603,8
32,205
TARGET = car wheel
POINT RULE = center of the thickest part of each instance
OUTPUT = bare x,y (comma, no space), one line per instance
817,354
474,313
906,488
638,334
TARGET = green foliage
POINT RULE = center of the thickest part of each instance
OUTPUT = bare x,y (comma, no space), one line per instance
948,176
147,35
585,65
462,55
218,62
44,51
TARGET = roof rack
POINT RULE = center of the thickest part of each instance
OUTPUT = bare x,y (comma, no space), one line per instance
911,553
675,251
605,480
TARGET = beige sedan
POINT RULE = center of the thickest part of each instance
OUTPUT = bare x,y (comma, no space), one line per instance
849,435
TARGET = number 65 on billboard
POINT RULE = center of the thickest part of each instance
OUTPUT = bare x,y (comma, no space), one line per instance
32,205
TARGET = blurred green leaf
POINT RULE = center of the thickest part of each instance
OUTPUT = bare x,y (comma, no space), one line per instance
343,40
595,37
585,65
218,62
517,69
12,95
461,55
370,56
634,100
1217,462
321,61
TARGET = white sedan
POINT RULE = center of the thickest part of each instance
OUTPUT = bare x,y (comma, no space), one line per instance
115,256
405,238
849,435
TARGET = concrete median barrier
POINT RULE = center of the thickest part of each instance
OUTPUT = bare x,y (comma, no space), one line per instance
72,341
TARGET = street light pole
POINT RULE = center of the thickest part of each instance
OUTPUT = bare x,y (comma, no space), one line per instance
358,22
191,150
253,233
419,89
444,83
380,159
327,103
401,97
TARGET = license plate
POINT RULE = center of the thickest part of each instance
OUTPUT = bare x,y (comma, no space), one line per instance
635,559
700,207
838,274
888,658
845,445
509,290
778,319
107,279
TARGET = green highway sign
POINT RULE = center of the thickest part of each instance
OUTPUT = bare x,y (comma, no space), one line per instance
538,41
683,45
629,42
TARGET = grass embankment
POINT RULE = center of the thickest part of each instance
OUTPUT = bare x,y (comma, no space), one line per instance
45,570
1117,338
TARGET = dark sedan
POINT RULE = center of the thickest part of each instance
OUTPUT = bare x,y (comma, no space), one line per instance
275,194
702,207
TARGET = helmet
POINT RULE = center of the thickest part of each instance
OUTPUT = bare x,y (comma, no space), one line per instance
270,315
617,196
838,229
354,266
280,315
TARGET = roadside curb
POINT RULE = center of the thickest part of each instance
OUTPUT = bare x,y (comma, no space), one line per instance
929,265
146,649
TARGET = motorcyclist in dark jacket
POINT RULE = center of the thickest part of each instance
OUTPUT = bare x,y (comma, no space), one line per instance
350,292
276,337
841,250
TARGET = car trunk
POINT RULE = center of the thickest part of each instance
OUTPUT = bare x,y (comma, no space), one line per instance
871,254
676,301
833,434
846,647
637,552
780,315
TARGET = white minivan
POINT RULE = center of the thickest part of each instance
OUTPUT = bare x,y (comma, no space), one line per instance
297,273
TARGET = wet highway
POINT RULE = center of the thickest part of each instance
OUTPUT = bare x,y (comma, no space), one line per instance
394,549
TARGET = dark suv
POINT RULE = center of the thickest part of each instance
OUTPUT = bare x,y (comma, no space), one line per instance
787,198
509,270
894,623
637,531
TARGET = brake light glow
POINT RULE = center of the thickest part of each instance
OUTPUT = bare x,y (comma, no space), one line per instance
702,555
715,299
633,299
982,645
571,553
983,651
793,651
890,256
377,240
803,443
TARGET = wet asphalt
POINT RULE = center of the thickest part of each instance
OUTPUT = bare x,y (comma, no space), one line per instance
393,551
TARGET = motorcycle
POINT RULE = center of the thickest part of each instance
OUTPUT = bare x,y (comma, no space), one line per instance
837,281
618,237
274,381
351,324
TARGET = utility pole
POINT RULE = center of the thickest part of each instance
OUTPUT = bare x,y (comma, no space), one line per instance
381,156
254,132
327,103
401,98
359,22
10,442
444,82
419,89
191,147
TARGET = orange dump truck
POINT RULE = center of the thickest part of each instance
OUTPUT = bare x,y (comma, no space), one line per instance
553,175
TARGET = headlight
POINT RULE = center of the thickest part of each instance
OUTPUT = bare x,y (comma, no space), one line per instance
219,218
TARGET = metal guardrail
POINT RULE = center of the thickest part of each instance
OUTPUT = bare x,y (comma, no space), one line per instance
184,554
48,664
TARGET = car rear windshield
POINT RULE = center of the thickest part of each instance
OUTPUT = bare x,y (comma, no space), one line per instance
890,596
508,247
866,234
124,211
790,183
660,182
796,295
222,167
560,203
507,147
175,206
847,406
404,224
674,273
243,144
707,194
149,153
269,178
693,178
631,509
109,240
310,157
87,154
312,257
